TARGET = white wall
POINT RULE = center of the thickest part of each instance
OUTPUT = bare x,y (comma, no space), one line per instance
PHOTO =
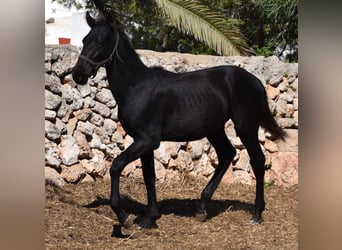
68,23
79,28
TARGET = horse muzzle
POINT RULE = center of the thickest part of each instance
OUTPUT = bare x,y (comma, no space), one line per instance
79,76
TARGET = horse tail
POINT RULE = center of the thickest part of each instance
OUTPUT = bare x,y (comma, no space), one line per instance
270,124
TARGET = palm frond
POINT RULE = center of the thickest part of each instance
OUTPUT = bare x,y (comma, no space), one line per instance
204,24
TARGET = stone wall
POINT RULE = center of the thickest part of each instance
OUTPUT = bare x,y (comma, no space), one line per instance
83,134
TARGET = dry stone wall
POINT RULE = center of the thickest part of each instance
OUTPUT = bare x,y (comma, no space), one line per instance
83,134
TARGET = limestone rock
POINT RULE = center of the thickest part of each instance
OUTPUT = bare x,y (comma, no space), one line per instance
281,108
52,101
160,171
105,137
83,114
64,111
196,149
53,83
96,143
203,166
81,140
96,119
52,155
117,138
74,173
291,142
243,162
111,104
72,97
104,96
284,169
272,92
286,122
84,90
71,126
95,166
243,177
131,169
61,126
271,146
101,109
112,150
52,132
89,102
53,177
50,115
109,126
69,150
205,144
166,151
213,157
186,158
86,128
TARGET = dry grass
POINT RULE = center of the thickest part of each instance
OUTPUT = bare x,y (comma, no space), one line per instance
78,217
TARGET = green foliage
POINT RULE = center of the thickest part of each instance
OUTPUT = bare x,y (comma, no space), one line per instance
264,51
69,3
267,27
270,26
206,25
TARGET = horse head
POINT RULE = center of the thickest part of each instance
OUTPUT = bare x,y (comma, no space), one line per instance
99,46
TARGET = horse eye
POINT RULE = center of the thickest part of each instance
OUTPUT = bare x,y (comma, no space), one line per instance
99,42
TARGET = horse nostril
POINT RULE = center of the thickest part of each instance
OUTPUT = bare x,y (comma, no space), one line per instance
78,76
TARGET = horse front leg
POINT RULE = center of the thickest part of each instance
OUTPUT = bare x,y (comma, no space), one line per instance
133,152
148,220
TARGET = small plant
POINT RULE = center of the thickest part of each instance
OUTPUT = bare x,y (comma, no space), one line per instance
293,88
270,184
268,166
274,113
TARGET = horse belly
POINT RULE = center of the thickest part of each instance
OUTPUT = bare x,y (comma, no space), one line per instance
194,126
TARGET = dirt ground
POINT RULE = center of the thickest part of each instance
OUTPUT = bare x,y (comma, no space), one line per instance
79,217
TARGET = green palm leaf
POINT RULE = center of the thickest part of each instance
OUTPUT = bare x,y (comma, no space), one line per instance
204,24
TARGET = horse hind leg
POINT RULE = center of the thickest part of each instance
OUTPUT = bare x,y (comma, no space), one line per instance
249,138
225,153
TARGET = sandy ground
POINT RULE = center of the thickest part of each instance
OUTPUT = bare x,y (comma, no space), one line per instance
79,217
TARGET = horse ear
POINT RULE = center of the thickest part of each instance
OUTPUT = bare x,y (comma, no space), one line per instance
91,21
108,16
111,18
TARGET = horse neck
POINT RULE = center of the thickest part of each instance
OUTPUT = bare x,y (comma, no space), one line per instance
125,68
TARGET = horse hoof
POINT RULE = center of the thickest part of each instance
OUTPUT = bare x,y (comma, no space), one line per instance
128,223
256,219
201,217
147,224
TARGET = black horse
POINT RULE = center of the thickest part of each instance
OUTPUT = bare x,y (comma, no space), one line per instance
157,105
